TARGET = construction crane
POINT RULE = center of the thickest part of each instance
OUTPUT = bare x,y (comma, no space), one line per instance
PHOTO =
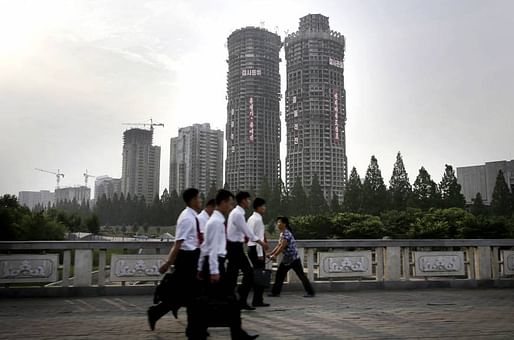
86,176
57,174
151,124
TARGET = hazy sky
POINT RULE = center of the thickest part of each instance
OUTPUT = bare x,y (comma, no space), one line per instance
433,79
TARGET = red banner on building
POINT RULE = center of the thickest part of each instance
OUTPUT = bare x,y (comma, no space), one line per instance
335,96
251,130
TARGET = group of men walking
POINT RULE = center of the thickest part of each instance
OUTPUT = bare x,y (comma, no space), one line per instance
203,243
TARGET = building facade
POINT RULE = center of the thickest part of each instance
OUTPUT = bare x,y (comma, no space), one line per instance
316,106
253,109
80,194
196,159
141,164
31,199
482,179
108,186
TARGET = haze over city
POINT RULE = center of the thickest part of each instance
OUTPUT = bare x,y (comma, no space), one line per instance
431,79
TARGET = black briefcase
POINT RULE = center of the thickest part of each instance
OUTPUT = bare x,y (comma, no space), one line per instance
262,277
167,289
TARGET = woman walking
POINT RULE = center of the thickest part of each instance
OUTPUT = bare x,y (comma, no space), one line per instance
290,259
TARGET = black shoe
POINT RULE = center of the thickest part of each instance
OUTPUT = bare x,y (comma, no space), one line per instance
260,304
151,319
174,311
273,295
246,306
308,295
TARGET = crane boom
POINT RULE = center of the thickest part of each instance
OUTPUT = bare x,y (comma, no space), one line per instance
151,124
57,174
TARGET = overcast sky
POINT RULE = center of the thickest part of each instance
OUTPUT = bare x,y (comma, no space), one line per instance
432,79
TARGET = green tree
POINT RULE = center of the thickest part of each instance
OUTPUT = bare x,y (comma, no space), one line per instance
374,192
501,204
213,190
317,202
335,207
400,188
478,207
450,190
93,224
299,200
353,225
424,192
353,193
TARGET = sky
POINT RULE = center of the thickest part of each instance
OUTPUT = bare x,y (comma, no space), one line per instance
432,79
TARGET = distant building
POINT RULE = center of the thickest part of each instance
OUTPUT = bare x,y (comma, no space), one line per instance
80,194
253,109
316,106
31,199
108,186
196,159
141,165
482,178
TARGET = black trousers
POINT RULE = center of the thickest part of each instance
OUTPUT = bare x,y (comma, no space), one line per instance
258,291
185,268
237,260
215,291
282,270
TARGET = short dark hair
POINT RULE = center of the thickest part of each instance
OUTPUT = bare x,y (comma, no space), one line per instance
242,195
189,194
211,203
223,195
258,202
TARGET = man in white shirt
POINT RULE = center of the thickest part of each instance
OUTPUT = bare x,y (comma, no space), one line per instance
211,270
184,256
237,230
203,217
255,251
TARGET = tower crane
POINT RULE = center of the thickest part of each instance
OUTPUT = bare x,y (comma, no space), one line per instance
86,176
151,124
57,174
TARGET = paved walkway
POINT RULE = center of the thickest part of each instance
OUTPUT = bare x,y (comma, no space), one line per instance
444,313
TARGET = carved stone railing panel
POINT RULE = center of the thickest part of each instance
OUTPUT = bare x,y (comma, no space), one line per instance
508,262
28,268
345,264
135,267
439,263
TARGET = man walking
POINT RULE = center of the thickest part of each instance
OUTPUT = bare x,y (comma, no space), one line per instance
184,256
255,251
237,230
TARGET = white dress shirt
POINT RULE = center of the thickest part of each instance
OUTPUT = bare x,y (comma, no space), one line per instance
203,217
237,228
215,242
256,225
186,229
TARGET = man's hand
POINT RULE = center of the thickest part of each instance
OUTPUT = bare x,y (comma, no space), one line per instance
199,276
215,278
261,258
164,268
264,245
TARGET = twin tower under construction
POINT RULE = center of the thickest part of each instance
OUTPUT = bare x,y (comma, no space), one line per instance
315,111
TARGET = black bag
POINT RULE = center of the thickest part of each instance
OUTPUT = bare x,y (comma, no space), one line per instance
167,289
262,277
216,312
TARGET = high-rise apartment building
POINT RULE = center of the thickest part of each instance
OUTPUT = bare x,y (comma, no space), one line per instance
316,106
253,109
81,194
31,199
482,179
196,159
108,186
141,164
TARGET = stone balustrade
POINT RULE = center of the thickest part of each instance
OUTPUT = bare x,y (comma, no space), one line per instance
102,267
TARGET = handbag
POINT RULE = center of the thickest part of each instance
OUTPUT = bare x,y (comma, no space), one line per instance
167,289
262,277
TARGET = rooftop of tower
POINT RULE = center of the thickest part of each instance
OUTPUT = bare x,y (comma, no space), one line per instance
314,22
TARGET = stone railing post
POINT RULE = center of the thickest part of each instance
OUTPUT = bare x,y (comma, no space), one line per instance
393,264
83,267
483,257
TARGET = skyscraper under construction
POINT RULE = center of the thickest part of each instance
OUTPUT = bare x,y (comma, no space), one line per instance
253,109
316,106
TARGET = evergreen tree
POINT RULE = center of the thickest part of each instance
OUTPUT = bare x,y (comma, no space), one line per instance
274,204
374,191
212,191
424,192
400,188
501,204
265,190
353,193
317,202
299,201
335,207
93,224
478,207
451,196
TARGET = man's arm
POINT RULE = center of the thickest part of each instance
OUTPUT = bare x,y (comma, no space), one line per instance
243,226
172,256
